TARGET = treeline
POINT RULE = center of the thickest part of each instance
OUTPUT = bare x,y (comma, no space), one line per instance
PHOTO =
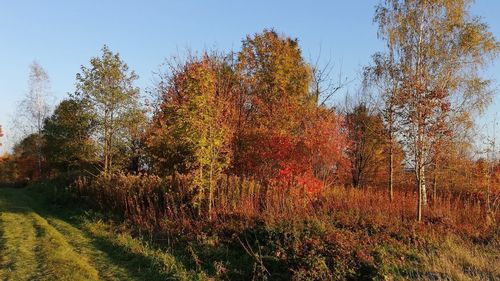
264,114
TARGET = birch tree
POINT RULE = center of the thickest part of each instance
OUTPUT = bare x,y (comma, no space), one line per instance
385,76
34,108
440,49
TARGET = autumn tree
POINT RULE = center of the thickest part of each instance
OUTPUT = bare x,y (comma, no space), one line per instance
276,96
68,134
286,134
191,131
325,143
439,48
8,173
277,80
26,153
7,165
384,76
106,89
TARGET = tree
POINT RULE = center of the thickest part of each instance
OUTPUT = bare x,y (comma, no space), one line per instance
367,134
34,108
277,81
107,91
439,49
385,75
326,143
286,135
7,169
323,88
274,99
68,137
7,166
191,131
25,155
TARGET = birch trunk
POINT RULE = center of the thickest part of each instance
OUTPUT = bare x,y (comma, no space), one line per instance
391,173
419,204
424,188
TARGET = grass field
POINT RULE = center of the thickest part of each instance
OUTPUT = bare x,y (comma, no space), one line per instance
37,245
44,236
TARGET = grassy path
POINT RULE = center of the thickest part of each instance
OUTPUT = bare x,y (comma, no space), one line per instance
36,245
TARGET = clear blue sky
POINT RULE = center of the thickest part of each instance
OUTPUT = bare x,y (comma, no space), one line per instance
62,35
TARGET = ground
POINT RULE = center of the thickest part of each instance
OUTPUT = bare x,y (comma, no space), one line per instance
46,237
37,245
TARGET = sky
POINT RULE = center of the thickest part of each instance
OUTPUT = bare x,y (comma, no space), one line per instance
63,35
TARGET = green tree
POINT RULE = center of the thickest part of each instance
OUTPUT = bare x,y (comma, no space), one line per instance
107,90
68,133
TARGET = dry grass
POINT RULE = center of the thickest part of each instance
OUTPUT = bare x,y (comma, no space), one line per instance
149,201
462,260
344,232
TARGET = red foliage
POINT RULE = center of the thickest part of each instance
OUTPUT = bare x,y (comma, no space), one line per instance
326,142
309,161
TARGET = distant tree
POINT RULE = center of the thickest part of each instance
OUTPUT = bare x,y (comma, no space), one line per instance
107,91
7,165
385,76
68,134
8,173
26,153
366,152
33,109
439,49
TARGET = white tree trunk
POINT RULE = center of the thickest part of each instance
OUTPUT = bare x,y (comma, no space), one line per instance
424,189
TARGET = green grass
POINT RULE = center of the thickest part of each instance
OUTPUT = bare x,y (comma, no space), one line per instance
38,242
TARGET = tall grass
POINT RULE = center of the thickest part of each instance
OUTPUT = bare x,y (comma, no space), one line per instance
151,203
284,233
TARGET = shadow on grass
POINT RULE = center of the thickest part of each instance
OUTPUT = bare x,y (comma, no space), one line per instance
138,265
186,259
135,264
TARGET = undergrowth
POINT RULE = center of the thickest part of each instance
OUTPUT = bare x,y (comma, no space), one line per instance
340,234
